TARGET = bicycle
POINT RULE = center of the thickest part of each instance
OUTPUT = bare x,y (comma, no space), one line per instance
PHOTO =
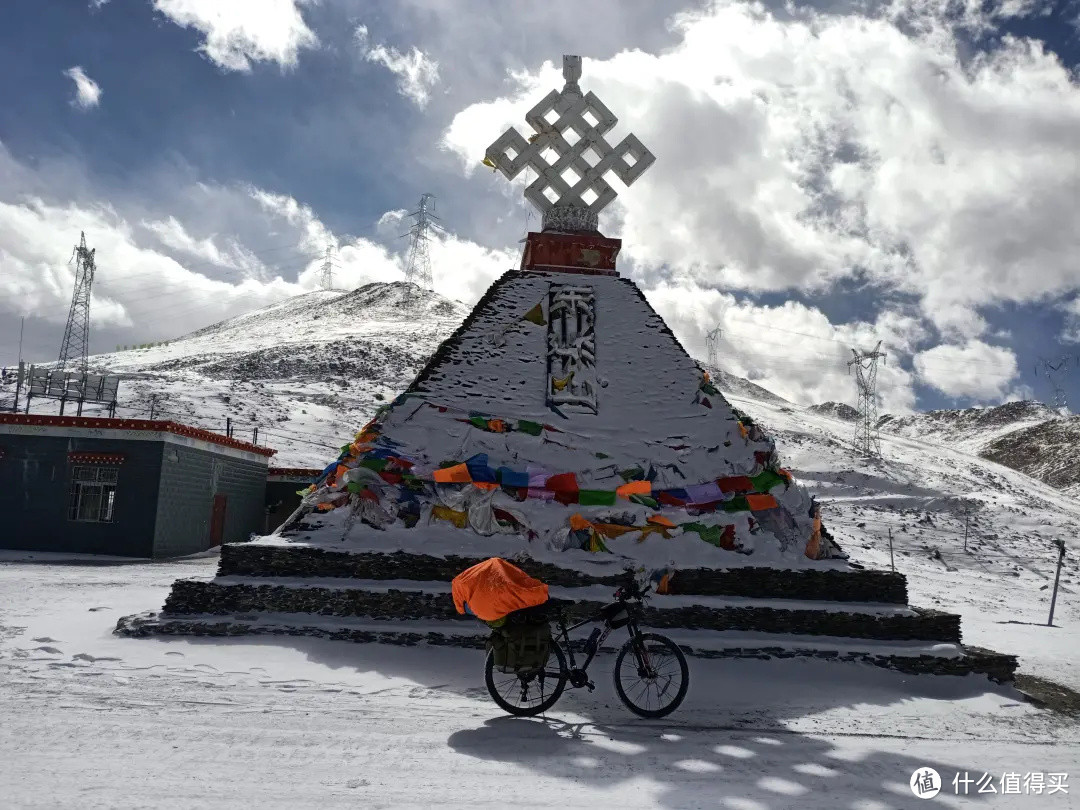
655,660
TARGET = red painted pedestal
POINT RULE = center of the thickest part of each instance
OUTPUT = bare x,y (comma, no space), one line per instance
588,253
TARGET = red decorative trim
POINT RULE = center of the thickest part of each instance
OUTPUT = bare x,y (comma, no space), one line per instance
96,458
154,426
590,254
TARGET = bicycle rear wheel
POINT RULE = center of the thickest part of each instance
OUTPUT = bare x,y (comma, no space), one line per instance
531,693
651,675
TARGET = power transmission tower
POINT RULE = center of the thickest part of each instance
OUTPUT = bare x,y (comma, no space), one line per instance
712,338
418,267
1055,371
327,277
867,441
74,349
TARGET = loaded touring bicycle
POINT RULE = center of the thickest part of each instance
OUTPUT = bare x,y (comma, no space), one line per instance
531,658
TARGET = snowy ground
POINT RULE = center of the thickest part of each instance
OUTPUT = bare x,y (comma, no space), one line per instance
91,720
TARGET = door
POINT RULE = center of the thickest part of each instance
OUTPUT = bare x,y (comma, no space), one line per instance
217,521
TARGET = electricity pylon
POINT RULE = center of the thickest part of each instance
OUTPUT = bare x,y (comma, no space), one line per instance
867,441
1055,371
418,266
712,339
327,276
74,348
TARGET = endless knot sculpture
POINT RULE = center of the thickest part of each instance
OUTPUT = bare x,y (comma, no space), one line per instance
570,155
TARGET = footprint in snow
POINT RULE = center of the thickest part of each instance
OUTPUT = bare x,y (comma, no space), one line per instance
102,607
176,654
45,640
51,650
88,657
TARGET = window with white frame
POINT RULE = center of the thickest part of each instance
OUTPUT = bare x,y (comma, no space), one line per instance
93,494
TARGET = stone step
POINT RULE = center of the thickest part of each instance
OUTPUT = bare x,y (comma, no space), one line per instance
909,657
432,601
277,558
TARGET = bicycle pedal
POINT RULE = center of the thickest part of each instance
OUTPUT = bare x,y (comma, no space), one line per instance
590,686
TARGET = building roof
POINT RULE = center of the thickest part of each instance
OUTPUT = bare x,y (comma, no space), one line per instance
145,425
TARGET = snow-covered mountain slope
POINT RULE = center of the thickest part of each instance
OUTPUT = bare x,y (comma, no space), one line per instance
969,428
838,410
306,372
1047,451
1026,436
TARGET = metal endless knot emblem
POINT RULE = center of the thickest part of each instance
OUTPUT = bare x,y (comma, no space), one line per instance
569,153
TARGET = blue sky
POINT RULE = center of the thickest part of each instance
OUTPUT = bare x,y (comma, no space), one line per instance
826,177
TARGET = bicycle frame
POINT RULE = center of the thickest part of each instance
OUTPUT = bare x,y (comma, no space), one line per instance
632,609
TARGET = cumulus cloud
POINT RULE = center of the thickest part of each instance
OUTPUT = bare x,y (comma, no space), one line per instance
796,151
87,91
237,34
225,251
973,369
1071,332
792,349
416,72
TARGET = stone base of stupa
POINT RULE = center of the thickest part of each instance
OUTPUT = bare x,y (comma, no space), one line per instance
855,616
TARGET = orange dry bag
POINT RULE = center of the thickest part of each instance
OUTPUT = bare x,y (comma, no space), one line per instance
492,589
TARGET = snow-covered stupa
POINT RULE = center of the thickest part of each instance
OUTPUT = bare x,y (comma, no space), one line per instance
564,415
562,425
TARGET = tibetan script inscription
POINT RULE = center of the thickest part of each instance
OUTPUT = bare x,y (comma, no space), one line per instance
571,347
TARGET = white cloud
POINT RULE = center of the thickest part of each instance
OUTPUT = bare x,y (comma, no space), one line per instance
416,72
793,349
794,152
235,34
87,91
974,369
227,250
171,233
1071,332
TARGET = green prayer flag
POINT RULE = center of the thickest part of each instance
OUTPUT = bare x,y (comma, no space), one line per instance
532,428
736,504
536,315
354,487
601,455
479,421
645,500
596,497
376,464
767,480
632,474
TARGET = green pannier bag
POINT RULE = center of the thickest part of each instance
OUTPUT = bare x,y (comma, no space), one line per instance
520,648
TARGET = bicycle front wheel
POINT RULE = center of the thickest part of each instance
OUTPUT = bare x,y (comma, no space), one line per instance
651,675
528,693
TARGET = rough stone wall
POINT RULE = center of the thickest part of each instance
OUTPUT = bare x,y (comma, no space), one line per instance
999,667
195,596
761,583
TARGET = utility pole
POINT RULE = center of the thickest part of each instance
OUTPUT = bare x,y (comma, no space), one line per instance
1055,371
1057,578
867,441
418,266
892,560
74,348
228,426
327,277
153,404
712,338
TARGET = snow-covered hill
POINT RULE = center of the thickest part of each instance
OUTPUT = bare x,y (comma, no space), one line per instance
305,372
1026,436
